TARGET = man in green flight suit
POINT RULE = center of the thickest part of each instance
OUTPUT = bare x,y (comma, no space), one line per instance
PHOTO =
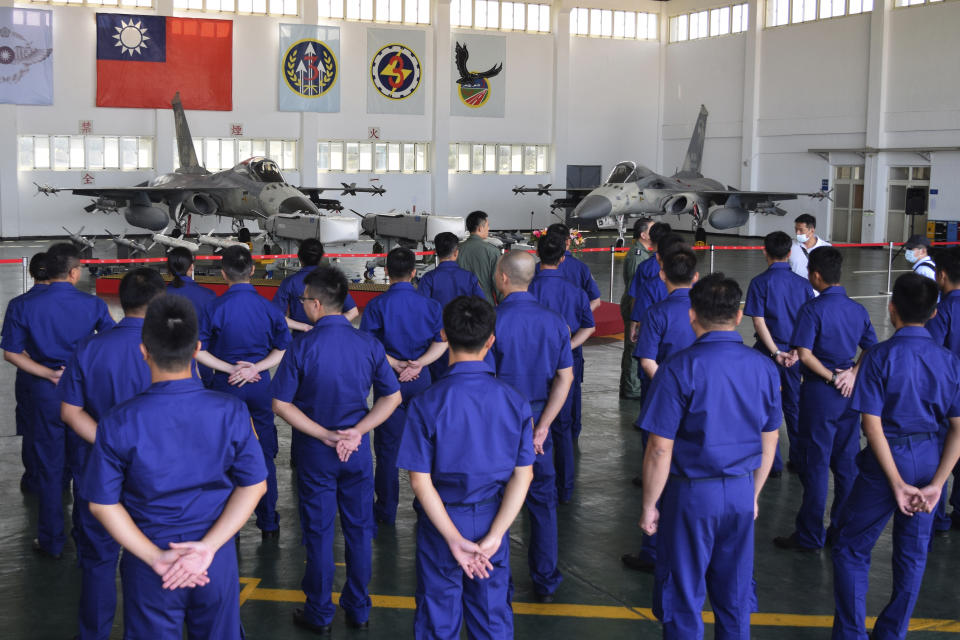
639,251
479,256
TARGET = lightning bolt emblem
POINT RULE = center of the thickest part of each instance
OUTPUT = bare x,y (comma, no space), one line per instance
395,72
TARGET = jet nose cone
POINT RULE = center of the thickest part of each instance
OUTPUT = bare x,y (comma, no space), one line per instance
593,207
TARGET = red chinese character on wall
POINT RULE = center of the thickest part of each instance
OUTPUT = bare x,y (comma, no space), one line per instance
236,129
87,178
86,127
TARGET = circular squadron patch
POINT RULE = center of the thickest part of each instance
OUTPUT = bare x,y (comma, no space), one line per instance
474,93
395,72
310,68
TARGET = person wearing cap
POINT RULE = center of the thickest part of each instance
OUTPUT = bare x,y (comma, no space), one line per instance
918,255
805,226
907,387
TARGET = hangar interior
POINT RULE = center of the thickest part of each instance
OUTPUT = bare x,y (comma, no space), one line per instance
863,99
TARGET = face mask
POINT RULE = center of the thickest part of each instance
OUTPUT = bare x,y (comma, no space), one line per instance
911,256
802,238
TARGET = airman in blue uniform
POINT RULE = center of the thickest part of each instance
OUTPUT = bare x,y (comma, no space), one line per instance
542,376
105,370
646,288
321,390
287,297
408,325
243,336
906,387
40,340
828,331
468,445
174,473
773,301
944,328
665,330
180,266
554,292
639,251
446,282
28,481
713,413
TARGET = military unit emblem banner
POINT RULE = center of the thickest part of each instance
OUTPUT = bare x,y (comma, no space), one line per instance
309,68
479,86
396,71
26,56
142,59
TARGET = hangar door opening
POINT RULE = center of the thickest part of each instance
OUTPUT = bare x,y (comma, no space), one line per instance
899,224
847,204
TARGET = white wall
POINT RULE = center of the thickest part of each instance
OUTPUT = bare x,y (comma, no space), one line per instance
616,100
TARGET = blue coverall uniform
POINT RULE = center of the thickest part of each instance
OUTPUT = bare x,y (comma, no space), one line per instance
444,283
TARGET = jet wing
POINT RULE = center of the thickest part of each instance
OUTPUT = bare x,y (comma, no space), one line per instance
130,193
747,199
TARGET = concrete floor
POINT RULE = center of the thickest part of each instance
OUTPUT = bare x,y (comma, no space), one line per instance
598,599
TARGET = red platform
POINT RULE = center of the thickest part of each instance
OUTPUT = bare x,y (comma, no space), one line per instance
608,319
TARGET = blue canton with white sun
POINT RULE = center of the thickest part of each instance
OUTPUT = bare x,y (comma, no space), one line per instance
132,38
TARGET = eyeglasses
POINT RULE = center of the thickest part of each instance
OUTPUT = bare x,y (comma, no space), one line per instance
305,298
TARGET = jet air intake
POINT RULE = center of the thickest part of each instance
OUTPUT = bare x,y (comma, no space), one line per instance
146,217
200,203
728,217
680,203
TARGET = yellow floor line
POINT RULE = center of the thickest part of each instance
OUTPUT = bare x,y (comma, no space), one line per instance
252,591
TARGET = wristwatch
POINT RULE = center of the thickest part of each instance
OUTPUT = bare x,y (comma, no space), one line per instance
833,381
776,353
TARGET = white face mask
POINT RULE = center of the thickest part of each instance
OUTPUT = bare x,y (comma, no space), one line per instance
911,256
802,238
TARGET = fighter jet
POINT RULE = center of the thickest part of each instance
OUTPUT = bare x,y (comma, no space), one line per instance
252,190
632,190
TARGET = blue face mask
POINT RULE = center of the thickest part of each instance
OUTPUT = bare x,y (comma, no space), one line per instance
911,256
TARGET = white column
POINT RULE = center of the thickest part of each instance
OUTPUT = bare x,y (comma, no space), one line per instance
749,140
9,177
664,34
561,91
875,170
440,177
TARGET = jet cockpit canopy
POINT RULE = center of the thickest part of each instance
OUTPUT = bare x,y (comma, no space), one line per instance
262,169
627,172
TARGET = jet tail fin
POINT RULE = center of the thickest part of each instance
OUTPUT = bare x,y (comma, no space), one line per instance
185,148
691,163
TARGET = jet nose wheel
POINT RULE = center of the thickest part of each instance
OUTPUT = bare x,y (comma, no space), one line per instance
620,242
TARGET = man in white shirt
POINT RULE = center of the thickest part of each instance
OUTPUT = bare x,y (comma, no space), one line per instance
918,255
806,241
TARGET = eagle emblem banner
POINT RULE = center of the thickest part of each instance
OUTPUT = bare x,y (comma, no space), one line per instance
479,86
396,71
309,68
26,56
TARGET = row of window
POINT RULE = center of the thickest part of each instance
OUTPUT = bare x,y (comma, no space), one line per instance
373,157
710,23
468,157
63,153
409,11
140,4
217,154
262,7
781,12
605,23
507,16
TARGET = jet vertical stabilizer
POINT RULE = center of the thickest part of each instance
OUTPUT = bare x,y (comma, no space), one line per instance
188,154
691,164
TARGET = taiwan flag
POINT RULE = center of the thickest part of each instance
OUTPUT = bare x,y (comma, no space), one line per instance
143,60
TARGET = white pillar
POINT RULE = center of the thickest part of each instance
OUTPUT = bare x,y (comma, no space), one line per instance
749,139
875,170
440,182
561,91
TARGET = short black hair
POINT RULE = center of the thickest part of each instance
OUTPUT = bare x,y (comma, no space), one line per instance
914,298
236,262
560,229
179,260
640,226
400,262
668,243
60,259
170,332
777,245
828,262
38,266
948,263
243,235
468,321
550,249
445,243
474,220
658,232
807,219
328,285
138,287
680,265
715,299
310,252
